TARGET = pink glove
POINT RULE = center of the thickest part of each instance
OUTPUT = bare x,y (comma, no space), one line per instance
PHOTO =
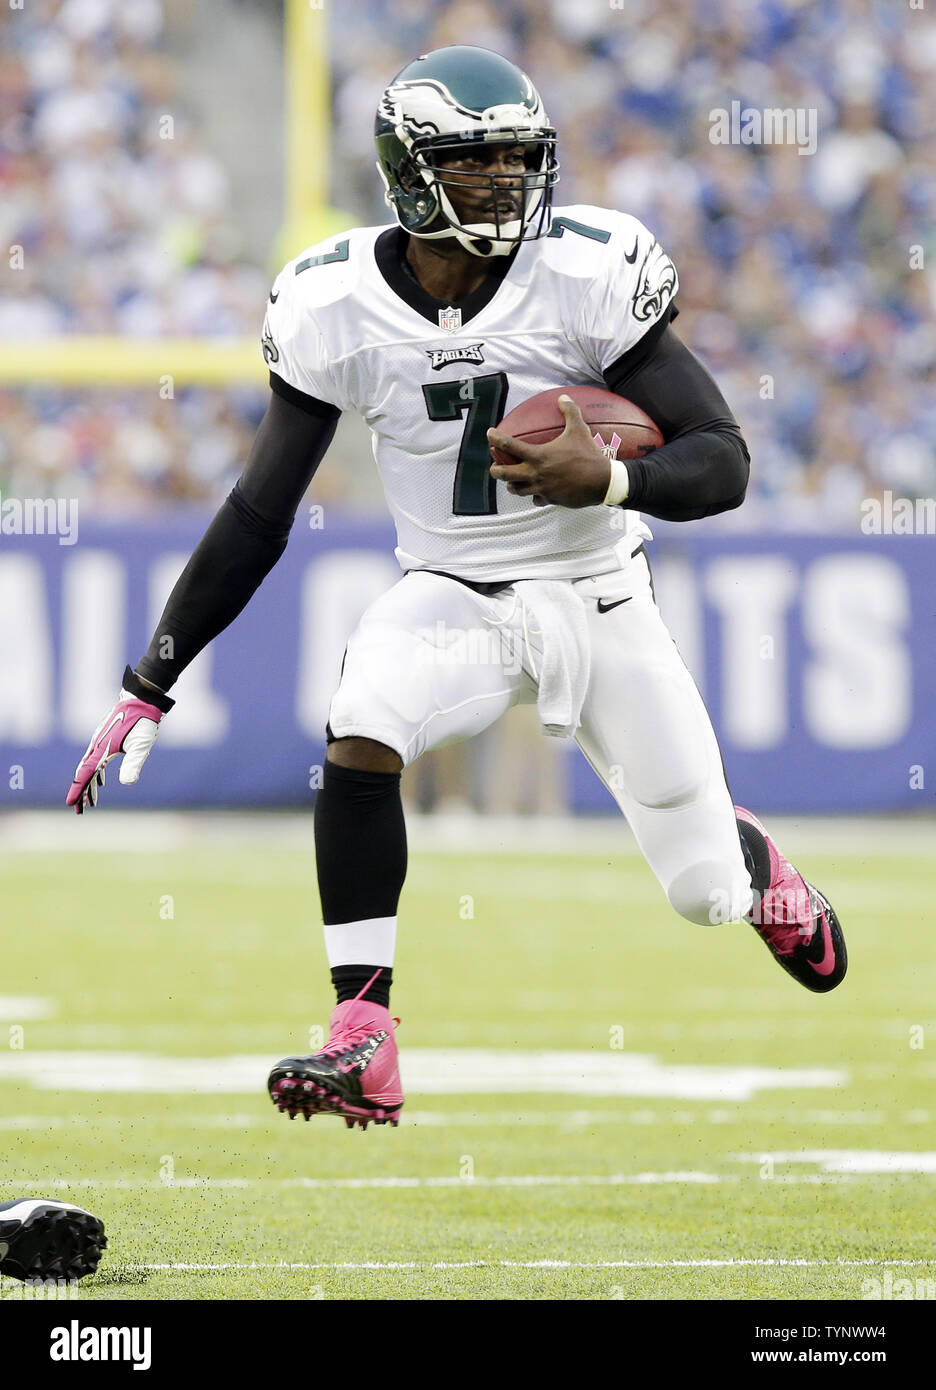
129,728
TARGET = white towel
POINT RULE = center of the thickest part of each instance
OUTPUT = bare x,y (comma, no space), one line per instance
560,622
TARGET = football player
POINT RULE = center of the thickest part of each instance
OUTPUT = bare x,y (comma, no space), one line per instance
479,296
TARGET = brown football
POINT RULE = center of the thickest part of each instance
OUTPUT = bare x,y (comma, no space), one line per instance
539,419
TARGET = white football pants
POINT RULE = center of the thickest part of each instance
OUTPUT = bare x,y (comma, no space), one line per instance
432,662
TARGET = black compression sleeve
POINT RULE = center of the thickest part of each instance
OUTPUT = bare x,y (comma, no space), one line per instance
703,466
246,538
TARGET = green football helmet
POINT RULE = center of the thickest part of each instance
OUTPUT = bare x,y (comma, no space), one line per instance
435,109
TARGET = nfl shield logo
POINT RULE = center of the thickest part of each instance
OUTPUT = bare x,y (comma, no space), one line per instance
450,319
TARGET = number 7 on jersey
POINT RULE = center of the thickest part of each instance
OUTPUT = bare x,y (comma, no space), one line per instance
483,398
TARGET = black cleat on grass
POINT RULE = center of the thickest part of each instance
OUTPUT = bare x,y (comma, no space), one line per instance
319,1085
356,1074
48,1240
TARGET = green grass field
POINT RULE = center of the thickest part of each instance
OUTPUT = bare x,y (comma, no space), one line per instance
562,954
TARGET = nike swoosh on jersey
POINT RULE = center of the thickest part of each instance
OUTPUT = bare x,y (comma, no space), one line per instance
633,255
606,607
273,297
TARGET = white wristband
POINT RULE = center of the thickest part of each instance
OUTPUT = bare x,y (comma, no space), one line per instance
619,486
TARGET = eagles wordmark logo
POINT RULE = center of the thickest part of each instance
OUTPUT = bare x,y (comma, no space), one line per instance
441,357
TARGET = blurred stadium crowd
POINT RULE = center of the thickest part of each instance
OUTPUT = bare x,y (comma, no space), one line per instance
801,287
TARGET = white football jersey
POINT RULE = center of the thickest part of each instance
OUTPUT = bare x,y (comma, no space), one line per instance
347,324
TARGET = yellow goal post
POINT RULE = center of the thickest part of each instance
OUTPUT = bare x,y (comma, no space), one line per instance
89,360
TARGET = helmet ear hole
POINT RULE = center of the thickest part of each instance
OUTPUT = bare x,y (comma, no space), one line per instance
409,177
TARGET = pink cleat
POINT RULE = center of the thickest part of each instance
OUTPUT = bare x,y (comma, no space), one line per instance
794,919
356,1074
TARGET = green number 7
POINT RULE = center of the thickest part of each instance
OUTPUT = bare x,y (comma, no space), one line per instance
482,397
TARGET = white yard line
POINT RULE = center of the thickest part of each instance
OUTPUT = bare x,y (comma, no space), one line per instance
25,1008
852,1161
520,1180
404,1265
428,1072
159,831
498,1119
517,1180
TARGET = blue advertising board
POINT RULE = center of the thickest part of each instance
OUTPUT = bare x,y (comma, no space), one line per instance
815,654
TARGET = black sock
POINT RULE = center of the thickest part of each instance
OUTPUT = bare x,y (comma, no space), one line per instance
349,981
360,852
